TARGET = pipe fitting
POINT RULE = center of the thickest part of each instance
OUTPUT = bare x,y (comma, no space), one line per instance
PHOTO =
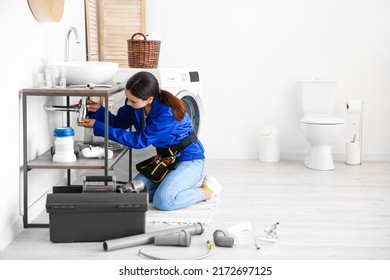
134,186
237,228
221,240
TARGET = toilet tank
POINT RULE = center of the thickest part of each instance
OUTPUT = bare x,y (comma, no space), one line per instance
316,97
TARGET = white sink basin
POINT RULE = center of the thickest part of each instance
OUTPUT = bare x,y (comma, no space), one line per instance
83,72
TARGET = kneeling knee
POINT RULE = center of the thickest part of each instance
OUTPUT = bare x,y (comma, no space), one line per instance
161,204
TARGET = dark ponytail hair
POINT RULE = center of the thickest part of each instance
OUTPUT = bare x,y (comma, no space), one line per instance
144,85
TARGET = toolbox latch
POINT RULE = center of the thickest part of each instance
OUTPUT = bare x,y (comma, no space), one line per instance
63,207
130,205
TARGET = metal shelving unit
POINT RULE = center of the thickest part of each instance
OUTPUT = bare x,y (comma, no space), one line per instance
45,161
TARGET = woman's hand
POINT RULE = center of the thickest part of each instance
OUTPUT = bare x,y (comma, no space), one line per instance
92,106
87,123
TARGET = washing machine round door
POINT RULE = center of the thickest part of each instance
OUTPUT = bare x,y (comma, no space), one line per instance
194,108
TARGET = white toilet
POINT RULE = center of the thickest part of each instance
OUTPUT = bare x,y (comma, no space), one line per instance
320,127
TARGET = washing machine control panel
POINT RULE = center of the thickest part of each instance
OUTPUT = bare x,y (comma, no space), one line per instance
167,77
194,76
178,78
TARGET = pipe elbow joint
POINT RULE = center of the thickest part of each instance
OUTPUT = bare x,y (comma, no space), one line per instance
221,240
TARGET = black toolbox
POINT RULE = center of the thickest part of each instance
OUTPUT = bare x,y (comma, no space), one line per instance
92,216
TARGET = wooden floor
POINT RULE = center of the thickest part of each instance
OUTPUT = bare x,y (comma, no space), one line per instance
325,215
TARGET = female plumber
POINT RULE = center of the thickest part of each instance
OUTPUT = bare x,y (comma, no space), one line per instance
165,125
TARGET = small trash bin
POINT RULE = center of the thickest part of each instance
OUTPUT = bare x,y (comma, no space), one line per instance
269,147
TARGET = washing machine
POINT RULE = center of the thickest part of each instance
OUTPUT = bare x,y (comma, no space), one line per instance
184,83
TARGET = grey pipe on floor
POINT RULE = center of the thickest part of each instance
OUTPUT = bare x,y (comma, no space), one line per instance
181,238
147,238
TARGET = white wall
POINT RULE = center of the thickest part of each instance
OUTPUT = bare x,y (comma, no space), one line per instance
24,41
252,53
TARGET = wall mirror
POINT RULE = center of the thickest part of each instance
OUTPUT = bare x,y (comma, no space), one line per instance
47,10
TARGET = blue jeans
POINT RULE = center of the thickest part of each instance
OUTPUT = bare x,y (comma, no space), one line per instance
179,189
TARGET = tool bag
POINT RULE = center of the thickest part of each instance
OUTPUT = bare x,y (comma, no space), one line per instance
158,166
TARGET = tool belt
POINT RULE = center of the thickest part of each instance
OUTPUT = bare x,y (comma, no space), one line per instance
158,166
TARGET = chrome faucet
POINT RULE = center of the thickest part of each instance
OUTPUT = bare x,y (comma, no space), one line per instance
76,34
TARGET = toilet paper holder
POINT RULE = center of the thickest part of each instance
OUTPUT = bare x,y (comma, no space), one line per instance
356,107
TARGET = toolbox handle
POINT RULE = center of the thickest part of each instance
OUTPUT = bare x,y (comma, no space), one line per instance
100,178
104,179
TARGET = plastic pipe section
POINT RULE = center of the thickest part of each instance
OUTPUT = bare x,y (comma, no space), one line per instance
147,238
221,240
236,229
182,238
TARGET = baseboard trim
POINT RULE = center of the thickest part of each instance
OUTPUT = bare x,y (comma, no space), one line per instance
10,233
295,156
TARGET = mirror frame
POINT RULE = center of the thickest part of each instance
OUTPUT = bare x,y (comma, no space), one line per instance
47,10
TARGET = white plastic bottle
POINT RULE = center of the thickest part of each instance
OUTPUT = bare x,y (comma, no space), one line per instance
64,145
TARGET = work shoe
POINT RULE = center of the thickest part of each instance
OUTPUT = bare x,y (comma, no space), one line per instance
211,184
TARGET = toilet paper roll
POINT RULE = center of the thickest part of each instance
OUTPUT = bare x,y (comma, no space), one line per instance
353,152
354,106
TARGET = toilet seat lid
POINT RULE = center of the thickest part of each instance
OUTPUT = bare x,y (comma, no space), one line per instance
322,119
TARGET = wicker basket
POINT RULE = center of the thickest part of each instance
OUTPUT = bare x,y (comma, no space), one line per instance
143,53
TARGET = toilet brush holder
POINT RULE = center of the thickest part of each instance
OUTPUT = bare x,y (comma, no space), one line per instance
354,148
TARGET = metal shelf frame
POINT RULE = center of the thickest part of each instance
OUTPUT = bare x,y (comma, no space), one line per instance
42,162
